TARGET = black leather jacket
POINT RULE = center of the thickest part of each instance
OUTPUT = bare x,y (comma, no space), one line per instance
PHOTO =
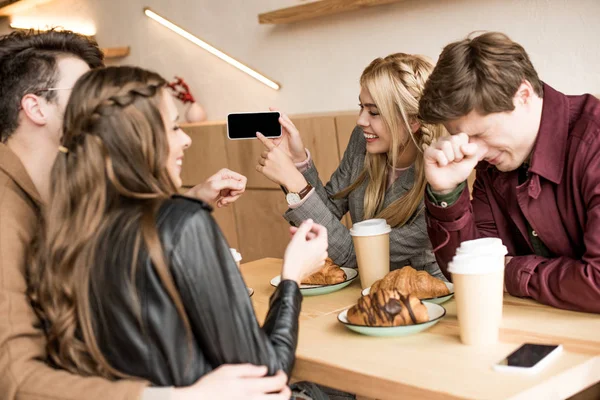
145,336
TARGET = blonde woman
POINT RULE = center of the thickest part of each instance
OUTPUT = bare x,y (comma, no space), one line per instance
381,174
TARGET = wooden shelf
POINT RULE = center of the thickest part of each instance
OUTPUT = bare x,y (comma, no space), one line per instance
317,9
116,52
10,7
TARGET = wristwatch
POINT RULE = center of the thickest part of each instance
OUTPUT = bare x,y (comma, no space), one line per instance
295,198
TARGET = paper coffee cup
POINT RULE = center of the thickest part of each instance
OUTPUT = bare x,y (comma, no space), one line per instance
478,275
371,240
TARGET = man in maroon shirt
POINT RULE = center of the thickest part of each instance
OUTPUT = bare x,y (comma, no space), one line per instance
536,153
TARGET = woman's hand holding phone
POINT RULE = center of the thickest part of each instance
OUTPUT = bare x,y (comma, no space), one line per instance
306,252
276,165
290,141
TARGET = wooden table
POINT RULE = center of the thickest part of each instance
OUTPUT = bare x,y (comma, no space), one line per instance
434,364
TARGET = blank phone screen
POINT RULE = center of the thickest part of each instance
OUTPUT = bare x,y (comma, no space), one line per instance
528,355
245,126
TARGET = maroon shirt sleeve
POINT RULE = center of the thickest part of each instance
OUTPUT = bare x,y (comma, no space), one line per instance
463,220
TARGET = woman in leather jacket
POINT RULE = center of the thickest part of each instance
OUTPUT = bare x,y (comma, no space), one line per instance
133,280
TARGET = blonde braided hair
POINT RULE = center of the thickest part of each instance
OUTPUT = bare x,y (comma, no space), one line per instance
429,133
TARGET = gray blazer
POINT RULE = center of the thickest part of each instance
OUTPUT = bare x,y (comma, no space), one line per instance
409,244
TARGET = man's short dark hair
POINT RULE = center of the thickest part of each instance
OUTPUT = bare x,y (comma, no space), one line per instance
482,73
28,65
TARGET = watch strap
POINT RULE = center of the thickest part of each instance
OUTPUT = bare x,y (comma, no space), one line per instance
294,198
305,191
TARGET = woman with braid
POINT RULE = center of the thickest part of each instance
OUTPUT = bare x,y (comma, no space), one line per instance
381,174
133,280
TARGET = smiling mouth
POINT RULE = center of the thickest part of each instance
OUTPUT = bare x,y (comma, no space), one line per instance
370,135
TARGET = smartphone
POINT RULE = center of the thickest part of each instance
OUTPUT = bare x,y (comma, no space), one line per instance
245,125
529,358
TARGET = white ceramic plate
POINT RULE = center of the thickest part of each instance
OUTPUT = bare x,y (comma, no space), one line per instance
315,290
436,300
435,311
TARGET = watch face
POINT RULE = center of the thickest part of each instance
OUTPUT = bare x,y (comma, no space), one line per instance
292,198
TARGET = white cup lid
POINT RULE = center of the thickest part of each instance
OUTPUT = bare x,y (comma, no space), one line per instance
370,227
477,263
236,255
483,245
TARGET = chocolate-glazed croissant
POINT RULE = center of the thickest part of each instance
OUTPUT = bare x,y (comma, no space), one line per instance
388,308
408,280
330,274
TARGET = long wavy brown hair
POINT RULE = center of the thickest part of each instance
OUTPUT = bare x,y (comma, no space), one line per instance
114,169
396,84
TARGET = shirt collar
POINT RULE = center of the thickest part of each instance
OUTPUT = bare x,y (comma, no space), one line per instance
550,148
549,151
14,168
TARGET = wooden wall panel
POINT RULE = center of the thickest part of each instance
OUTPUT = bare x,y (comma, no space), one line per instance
225,217
318,134
344,125
320,138
262,231
207,153
244,155
205,157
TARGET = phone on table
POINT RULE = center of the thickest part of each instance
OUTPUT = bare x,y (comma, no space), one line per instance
245,125
529,358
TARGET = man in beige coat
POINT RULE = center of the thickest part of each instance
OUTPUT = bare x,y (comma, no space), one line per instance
37,72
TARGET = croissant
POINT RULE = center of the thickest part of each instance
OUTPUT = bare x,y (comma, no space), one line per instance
330,274
408,280
388,308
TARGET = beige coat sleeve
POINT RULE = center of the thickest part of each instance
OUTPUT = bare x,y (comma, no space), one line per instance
23,373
